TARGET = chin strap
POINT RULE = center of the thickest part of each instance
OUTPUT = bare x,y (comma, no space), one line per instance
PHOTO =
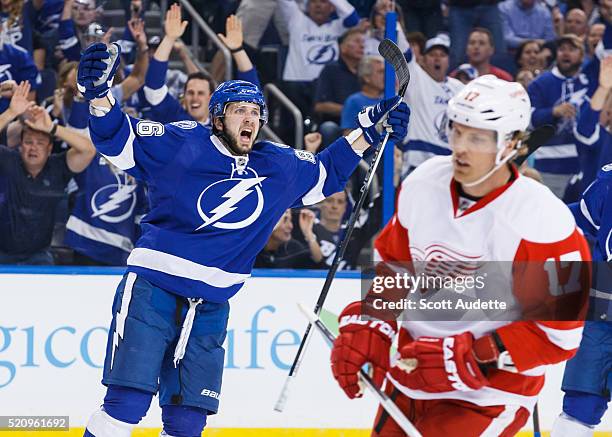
490,172
497,166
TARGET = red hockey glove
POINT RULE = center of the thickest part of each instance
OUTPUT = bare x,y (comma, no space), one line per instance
446,364
359,342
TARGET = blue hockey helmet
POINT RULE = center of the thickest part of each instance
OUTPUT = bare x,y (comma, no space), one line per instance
237,91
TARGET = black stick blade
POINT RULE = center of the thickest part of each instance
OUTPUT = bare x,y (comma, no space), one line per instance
536,138
393,55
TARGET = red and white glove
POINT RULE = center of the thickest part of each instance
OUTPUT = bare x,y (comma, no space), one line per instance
437,365
360,342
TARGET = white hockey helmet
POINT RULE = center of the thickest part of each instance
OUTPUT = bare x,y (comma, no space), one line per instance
494,104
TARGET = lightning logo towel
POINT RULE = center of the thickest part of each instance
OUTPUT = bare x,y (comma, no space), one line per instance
103,224
211,212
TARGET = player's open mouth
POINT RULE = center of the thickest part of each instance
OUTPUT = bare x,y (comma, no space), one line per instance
195,105
461,163
245,135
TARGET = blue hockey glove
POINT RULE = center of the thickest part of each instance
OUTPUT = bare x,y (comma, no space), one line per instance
397,123
97,69
385,115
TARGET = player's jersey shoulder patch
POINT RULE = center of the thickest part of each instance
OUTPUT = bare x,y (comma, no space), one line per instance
605,173
305,156
185,124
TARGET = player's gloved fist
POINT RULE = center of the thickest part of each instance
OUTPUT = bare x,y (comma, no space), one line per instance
397,122
437,365
97,69
359,342
390,114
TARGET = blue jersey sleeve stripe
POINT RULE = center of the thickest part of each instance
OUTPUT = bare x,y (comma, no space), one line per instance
587,141
587,214
125,159
315,195
155,96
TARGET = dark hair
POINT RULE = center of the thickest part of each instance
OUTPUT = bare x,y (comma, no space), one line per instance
398,10
201,75
25,127
417,38
521,49
486,32
350,32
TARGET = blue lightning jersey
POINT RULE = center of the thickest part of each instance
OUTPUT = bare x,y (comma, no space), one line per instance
590,371
103,224
594,216
17,64
559,154
211,212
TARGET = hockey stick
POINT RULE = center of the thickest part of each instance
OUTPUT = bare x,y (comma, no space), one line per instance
386,402
536,138
394,56
536,421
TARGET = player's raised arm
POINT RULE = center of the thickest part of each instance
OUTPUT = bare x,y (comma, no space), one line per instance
139,147
318,176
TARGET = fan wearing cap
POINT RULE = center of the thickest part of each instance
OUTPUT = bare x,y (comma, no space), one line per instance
462,372
428,94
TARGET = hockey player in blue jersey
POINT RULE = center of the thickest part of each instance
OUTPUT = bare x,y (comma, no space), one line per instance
215,197
587,381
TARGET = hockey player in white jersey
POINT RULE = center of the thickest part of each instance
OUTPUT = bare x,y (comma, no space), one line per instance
214,201
482,376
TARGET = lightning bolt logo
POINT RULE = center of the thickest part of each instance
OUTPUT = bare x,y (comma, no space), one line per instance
115,200
321,54
234,195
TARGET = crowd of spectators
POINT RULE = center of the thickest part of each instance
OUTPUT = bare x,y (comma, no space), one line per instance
60,203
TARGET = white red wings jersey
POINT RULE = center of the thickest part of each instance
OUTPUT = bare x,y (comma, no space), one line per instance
521,221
